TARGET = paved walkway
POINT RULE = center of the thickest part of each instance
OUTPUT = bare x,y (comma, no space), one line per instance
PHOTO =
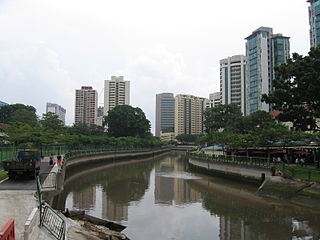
18,203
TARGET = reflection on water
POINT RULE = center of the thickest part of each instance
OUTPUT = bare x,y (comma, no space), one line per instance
162,199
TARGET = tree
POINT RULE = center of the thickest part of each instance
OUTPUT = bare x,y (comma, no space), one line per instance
124,121
297,91
188,138
225,116
22,134
18,113
51,121
84,129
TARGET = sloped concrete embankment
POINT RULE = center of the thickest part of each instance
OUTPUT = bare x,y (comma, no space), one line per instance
306,194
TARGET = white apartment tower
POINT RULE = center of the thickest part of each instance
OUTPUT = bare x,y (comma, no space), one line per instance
116,92
57,110
189,114
86,105
232,81
214,99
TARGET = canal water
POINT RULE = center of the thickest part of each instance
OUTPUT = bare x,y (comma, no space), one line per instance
162,199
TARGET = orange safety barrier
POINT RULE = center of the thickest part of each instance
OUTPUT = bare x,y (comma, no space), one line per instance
7,232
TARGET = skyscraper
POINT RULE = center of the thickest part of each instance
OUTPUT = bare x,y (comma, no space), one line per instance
57,110
189,114
86,105
264,50
314,22
116,92
164,112
232,81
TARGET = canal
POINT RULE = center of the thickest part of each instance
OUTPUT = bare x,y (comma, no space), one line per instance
162,199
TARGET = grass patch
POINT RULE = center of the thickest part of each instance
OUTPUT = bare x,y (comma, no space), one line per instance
3,175
304,173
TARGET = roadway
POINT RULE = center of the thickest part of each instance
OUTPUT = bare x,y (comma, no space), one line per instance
26,183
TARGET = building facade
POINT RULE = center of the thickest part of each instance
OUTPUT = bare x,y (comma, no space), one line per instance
3,103
189,114
314,22
214,99
57,110
232,81
116,92
164,112
86,105
100,116
264,51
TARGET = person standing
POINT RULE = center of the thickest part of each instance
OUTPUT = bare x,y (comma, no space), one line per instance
59,160
51,159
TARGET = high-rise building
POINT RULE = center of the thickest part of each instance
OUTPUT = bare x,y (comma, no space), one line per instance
189,114
3,103
86,105
57,110
314,22
264,51
164,112
232,81
100,116
116,92
214,99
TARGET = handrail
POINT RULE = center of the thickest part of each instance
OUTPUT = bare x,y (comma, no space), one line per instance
49,218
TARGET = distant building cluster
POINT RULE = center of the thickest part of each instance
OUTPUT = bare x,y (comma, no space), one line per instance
116,92
244,78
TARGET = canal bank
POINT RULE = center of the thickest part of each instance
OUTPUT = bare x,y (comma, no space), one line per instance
299,192
59,176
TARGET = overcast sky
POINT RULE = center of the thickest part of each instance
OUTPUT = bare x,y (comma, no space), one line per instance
50,48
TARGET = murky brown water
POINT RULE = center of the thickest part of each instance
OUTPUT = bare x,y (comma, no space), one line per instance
161,199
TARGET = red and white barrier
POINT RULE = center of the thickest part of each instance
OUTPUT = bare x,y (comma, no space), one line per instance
7,232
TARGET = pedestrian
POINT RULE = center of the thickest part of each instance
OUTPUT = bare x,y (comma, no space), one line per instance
51,159
297,161
59,159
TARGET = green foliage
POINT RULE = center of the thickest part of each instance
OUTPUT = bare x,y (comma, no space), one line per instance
82,128
222,117
3,175
22,134
18,113
51,121
127,121
188,138
297,91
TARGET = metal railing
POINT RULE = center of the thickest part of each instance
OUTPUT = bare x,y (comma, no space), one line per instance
49,180
289,171
243,160
49,218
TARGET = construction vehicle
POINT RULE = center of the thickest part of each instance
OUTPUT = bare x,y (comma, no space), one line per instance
26,163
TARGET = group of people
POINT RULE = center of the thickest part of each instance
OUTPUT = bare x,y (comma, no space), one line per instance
300,161
59,159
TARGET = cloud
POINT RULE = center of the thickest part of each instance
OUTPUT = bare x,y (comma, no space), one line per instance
31,74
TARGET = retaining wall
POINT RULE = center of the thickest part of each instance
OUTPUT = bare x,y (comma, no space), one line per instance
254,174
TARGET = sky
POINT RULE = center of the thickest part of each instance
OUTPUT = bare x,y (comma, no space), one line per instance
50,48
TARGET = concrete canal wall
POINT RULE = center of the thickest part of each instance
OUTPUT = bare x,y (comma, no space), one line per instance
253,174
91,158
302,193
